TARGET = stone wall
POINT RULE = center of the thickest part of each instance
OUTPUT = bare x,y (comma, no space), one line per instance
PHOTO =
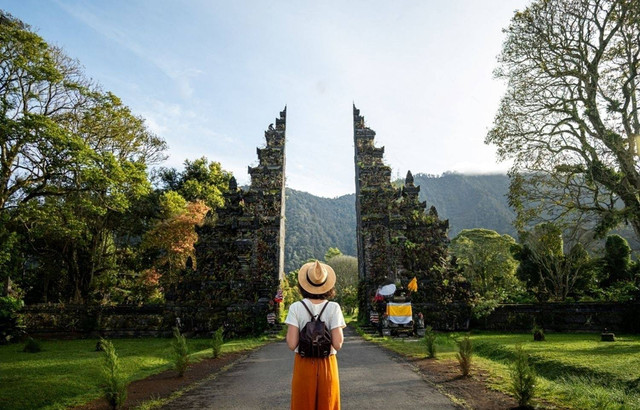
77,321
72,321
564,317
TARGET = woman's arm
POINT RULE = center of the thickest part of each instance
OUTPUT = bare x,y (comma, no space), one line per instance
337,337
293,337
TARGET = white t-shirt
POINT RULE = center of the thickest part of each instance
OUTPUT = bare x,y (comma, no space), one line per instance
332,315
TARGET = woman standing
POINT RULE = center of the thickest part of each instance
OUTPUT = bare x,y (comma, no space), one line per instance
315,383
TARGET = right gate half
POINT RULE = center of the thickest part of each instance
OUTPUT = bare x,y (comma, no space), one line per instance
398,241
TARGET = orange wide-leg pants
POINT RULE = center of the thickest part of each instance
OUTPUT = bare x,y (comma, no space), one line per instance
315,384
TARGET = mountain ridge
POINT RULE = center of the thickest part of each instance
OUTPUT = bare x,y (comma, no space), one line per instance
313,223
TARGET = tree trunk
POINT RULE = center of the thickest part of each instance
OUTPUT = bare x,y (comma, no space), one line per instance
74,268
7,286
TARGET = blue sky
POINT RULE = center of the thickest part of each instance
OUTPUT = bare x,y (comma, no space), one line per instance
210,76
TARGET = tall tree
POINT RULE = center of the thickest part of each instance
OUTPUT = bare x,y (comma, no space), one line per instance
72,161
487,263
38,86
616,261
346,268
83,228
569,118
546,268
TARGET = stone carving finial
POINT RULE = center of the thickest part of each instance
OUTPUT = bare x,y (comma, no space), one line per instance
271,127
358,120
233,184
409,179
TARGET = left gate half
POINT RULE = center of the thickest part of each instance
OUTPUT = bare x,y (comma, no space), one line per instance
240,250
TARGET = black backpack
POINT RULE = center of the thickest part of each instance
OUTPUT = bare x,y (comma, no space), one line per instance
315,338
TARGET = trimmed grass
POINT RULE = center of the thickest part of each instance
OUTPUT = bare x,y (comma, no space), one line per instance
68,372
575,370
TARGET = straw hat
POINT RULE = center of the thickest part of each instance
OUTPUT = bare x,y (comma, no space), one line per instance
316,278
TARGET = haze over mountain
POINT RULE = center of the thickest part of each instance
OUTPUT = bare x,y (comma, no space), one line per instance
314,224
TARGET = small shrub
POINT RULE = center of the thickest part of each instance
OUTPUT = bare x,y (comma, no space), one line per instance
430,342
180,352
32,346
538,333
523,378
216,342
464,355
115,385
11,326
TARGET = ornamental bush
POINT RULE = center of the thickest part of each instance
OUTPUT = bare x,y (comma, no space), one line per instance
115,385
430,342
523,378
32,346
217,341
180,352
465,355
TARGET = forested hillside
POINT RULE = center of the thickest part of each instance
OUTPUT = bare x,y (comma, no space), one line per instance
469,201
315,224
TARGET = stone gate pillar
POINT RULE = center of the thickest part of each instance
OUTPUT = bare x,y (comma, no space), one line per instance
240,248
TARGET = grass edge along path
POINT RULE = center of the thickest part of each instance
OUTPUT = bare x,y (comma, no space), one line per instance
159,402
575,370
69,371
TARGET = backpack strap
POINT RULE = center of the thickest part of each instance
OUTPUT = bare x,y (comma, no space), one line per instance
323,308
314,318
310,314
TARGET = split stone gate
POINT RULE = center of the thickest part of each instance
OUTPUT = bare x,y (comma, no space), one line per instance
240,252
240,262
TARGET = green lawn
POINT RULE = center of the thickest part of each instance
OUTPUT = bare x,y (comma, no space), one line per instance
68,373
575,370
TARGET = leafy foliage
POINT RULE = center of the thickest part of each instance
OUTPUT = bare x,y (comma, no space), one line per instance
174,234
617,261
74,162
10,321
331,253
346,268
200,180
546,269
488,264
290,290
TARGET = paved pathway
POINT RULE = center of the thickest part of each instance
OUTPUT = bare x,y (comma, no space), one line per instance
370,378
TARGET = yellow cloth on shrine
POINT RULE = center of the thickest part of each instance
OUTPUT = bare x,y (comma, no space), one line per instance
399,313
